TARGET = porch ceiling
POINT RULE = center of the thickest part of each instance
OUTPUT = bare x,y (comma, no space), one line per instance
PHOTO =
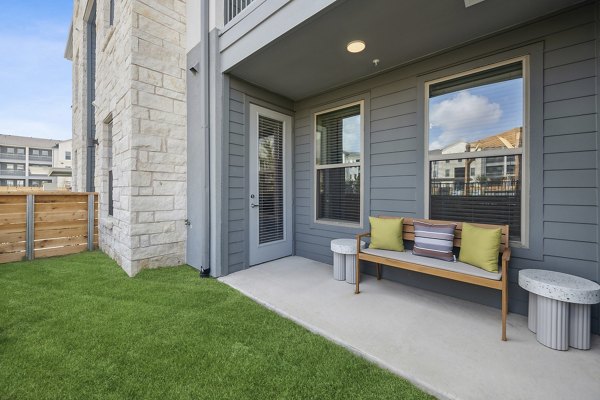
313,58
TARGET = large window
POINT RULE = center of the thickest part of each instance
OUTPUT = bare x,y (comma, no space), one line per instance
338,165
12,182
38,182
476,134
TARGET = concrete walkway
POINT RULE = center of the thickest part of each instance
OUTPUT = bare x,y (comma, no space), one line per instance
448,347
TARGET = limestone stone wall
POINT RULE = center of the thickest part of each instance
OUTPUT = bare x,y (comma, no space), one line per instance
79,94
140,123
158,140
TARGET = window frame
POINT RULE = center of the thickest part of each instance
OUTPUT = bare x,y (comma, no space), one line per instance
360,165
524,151
109,126
111,13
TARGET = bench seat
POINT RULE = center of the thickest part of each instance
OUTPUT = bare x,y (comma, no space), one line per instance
407,256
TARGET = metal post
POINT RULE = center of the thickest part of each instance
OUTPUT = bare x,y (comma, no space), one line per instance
30,228
90,226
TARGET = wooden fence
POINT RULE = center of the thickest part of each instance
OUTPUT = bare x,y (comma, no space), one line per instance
47,224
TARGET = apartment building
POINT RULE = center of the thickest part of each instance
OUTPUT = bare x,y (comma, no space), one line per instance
229,133
33,162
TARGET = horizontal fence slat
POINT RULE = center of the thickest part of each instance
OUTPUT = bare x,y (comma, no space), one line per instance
12,237
60,251
48,225
12,247
60,242
12,218
9,228
54,217
13,208
60,233
41,207
12,257
72,198
13,199
29,190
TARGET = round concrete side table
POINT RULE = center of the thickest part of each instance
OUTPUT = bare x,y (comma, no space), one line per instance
344,259
560,307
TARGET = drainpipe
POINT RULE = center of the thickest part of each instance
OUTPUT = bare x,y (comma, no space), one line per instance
205,90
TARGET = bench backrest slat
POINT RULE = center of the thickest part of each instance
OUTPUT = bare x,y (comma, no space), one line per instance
408,229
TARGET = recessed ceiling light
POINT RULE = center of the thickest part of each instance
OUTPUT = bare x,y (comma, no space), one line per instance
469,3
356,46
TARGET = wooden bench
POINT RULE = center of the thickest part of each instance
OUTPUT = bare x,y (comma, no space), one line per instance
455,271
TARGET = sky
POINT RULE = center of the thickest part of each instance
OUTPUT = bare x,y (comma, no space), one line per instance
472,114
35,79
351,134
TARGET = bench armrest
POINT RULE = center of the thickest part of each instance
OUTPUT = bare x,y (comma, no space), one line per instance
506,254
358,238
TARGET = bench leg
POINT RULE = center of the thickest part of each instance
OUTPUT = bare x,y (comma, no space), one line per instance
579,326
357,290
378,271
504,305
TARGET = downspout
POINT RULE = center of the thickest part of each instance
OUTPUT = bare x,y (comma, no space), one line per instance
91,105
205,90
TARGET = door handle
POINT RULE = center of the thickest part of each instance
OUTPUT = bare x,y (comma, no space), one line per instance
253,205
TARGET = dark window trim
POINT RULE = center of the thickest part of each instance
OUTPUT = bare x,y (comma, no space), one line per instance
536,126
349,229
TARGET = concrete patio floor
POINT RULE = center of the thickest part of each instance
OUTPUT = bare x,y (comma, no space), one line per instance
449,347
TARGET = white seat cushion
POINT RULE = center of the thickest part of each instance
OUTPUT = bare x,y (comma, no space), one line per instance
408,256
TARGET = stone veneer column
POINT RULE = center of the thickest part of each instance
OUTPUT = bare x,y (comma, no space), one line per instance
158,139
140,85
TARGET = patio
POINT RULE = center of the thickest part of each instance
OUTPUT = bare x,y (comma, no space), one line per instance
449,347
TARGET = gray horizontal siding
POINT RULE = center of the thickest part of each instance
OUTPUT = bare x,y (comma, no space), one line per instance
240,95
237,238
570,153
568,161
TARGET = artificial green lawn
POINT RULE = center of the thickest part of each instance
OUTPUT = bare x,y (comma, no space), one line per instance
77,327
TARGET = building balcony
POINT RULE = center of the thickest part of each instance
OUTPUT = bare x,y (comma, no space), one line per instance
43,159
234,7
11,172
251,25
9,156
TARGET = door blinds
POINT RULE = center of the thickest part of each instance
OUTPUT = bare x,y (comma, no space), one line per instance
270,180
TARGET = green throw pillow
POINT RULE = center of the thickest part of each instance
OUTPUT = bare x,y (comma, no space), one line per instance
480,247
386,233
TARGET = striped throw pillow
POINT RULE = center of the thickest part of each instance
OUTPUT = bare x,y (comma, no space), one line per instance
433,240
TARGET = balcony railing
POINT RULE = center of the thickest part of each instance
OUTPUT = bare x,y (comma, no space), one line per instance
11,156
496,201
460,187
12,172
234,7
40,158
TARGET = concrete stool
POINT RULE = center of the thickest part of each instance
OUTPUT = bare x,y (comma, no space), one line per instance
344,259
559,307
